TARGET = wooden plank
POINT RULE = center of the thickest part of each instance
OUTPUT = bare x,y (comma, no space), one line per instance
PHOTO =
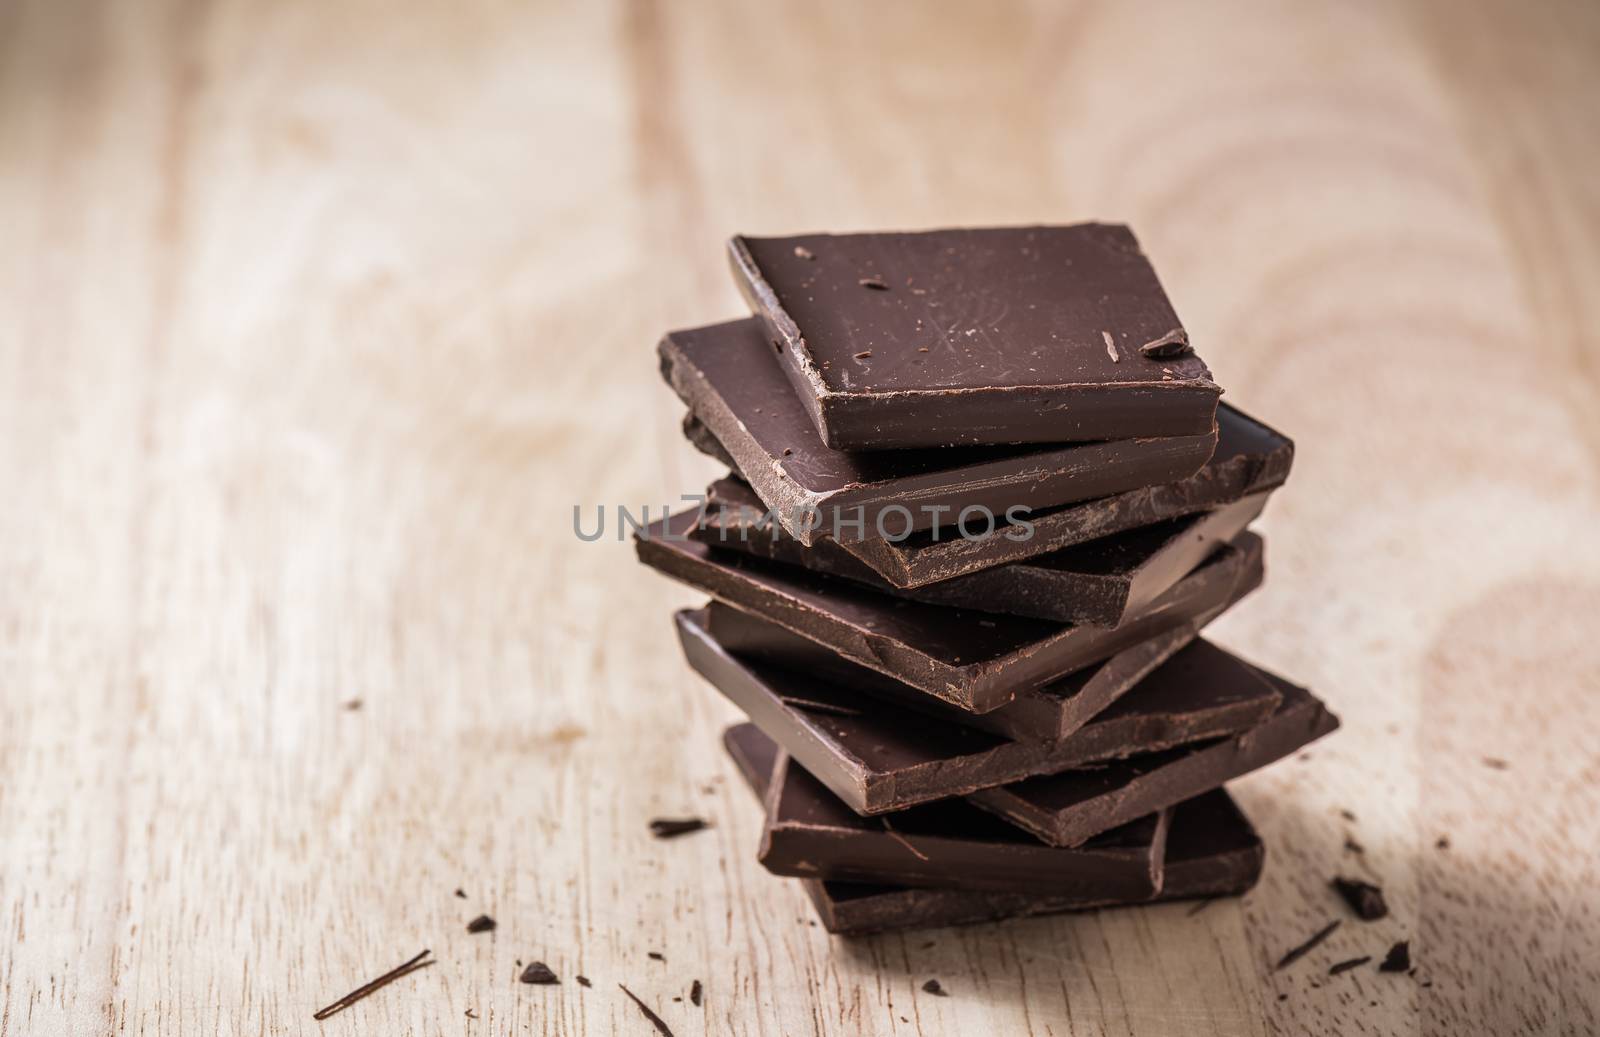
319,320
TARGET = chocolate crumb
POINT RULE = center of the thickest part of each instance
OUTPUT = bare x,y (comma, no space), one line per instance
1346,966
1443,843
583,981
481,924
671,828
656,956
1398,959
1111,348
865,354
1354,847
801,252
461,894
1365,899
471,1014
538,972
1494,763
696,993
353,705
930,943
677,1000
1348,815
1283,997
875,283
1173,343
660,1024
1295,954
933,987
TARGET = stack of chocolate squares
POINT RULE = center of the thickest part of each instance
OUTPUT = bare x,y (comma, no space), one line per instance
983,501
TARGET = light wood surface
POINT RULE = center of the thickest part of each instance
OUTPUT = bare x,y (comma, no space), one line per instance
318,320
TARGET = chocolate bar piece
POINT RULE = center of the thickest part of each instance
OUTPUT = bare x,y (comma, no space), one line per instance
962,337
1250,458
811,834
1100,583
729,377
1211,851
1035,714
875,762
973,660
1067,808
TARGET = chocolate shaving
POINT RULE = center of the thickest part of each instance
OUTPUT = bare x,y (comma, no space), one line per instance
671,828
1346,966
1365,899
660,1024
1398,959
656,955
902,840
875,283
1173,343
933,987
865,354
583,981
812,706
1301,951
481,924
367,989
696,992
1111,348
538,972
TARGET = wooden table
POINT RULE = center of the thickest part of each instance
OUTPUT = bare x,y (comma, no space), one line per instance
318,322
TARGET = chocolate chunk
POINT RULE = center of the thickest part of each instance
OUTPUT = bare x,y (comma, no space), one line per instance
933,987
1296,953
1067,808
1211,851
1019,315
1346,966
1250,458
974,661
1398,959
734,385
1101,582
810,833
538,973
1365,899
696,993
876,762
671,828
659,1023
481,924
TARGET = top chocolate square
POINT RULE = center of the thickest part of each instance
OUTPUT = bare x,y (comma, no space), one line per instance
965,337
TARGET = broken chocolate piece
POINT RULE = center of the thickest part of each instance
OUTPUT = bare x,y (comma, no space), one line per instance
1296,953
671,828
933,987
1365,899
1398,959
876,762
733,384
810,833
1101,583
974,661
481,924
1019,317
1065,809
538,973
1211,851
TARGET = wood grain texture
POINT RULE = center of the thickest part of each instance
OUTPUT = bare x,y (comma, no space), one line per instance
318,320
